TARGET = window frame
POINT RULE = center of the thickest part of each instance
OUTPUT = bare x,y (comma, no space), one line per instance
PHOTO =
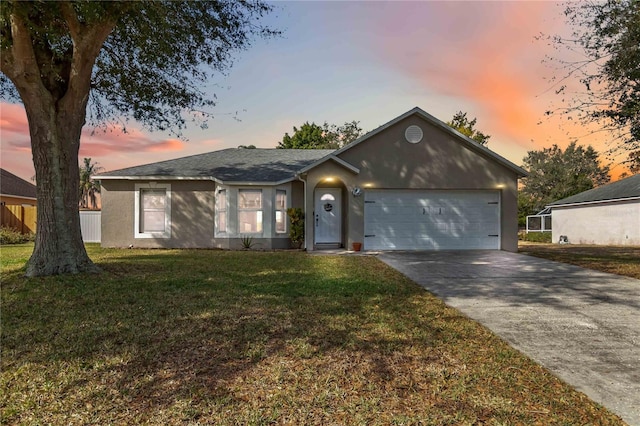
220,193
276,209
259,210
138,210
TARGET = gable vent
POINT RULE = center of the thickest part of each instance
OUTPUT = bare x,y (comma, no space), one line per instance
413,134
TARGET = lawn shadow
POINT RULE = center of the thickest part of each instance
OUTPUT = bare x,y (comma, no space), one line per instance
164,326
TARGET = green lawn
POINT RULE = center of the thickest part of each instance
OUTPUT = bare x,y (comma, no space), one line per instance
257,338
621,260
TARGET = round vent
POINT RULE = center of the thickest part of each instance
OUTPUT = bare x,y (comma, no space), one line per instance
413,134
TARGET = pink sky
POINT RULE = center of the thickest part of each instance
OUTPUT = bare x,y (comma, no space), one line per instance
362,61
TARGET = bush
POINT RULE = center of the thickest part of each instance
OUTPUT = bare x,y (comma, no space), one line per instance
246,241
537,237
13,236
296,230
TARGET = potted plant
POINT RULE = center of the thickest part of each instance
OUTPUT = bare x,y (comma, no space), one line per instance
357,246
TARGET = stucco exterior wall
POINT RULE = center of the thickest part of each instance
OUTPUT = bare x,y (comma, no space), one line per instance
439,161
605,224
192,215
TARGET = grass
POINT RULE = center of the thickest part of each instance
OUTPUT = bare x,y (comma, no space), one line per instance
258,338
621,260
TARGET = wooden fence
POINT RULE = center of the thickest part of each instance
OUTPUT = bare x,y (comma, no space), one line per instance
22,218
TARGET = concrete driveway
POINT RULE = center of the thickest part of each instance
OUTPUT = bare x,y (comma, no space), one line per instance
582,325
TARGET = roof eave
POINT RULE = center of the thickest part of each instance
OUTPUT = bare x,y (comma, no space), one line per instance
19,196
332,157
254,183
151,177
197,178
583,203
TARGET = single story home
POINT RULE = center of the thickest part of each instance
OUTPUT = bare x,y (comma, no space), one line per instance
607,215
15,190
414,183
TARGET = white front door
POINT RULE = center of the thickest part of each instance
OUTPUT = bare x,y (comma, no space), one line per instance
328,215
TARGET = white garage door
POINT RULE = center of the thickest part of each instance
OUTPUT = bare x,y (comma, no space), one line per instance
431,220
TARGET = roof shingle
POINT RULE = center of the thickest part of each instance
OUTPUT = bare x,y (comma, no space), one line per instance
230,165
622,189
11,184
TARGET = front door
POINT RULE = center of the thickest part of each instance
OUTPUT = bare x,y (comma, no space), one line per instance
328,216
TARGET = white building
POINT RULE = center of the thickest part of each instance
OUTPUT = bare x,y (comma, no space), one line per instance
607,215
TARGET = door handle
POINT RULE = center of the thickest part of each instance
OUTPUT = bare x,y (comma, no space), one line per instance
317,219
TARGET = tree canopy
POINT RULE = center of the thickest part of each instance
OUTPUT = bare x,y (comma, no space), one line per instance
327,136
462,124
73,61
606,36
633,162
555,174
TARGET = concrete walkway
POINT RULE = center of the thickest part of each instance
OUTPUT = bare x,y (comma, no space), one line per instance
582,325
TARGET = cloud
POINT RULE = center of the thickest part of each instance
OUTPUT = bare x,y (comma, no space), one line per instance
481,53
111,146
14,132
13,119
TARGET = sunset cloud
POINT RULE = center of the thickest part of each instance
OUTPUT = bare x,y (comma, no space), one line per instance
364,61
483,53
103,144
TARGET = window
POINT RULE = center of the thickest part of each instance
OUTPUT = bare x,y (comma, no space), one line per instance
249,211
153,211
281,211
221,211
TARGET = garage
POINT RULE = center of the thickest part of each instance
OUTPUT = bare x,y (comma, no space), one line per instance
431,219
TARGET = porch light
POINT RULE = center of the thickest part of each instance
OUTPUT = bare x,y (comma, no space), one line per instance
329,179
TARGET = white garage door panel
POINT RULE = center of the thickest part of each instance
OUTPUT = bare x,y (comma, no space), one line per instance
431,220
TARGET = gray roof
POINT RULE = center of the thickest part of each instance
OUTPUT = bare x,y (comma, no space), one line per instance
622,189
275,165
11,184
229,165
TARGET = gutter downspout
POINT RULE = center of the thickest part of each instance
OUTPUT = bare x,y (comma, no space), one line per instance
304,186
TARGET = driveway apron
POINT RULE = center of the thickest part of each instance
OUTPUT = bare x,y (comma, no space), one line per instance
582,325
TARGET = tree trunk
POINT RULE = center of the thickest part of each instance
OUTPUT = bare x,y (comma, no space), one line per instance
55,89
55,141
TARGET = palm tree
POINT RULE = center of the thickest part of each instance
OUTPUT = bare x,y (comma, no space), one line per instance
88,187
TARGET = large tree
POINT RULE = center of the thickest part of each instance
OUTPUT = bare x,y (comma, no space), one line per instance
149,60
327,136
605,37
555,174
462,124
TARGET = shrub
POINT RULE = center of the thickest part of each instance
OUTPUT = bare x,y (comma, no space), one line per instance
537,237
13,236
296,230
246,241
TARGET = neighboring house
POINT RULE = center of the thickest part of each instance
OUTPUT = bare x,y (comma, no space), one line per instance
15,190
413,183
608,215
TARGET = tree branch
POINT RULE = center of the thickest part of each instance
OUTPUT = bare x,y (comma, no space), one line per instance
70,17
19,61
87,43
